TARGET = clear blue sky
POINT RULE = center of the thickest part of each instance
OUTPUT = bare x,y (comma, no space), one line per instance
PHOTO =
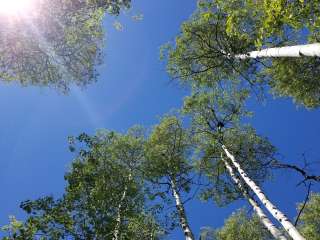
133,89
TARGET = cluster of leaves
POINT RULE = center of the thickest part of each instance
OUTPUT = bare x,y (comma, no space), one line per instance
310,218
240,225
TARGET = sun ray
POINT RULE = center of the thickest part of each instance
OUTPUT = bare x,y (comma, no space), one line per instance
14,8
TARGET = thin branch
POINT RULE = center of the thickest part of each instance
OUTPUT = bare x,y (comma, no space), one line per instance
304,204
306,176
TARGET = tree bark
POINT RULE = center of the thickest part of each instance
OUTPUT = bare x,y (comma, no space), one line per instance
308,50
182,214
276,213
116,230
262,217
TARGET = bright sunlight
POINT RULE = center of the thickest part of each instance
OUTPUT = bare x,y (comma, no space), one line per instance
15,8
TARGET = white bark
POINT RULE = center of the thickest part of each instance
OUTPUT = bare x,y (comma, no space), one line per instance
262,217
182,214
309,50
116,230
276,213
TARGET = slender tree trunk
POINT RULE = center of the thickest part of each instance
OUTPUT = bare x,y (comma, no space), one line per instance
263,218
309,50
276,213
116,230
182,214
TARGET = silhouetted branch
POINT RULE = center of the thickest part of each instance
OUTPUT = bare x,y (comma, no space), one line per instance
304,204
302,171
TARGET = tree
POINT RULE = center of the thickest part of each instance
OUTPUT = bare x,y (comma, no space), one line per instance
276,213
215,40
168,166
216,115
58,44
261,215
104,197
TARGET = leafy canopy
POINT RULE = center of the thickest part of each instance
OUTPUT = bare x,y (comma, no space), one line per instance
58,45
204,53
106,167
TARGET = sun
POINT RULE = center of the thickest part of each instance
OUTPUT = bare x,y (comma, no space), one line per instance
15,8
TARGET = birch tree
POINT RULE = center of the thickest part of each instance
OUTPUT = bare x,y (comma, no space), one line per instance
276,213
261,215
216,116
168,167
223,39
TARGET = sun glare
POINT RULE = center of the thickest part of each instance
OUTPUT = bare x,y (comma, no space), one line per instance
15,8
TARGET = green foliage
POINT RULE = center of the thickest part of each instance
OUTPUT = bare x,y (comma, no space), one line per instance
203,54
58,45
270,22
112,7
167,150
168,165
209,108
16,230
297,78
240,226
310,218
106,166
144,227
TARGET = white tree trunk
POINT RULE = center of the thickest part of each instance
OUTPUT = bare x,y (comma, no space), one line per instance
182,214
263,218
116,230
276,213
309,50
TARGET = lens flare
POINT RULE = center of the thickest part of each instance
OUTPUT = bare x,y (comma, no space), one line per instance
15,8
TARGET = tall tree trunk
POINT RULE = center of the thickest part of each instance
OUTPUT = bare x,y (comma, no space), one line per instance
116,230
309,50
276,213
182,214
262,217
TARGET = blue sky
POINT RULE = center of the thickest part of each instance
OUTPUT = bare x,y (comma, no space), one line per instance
133,88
